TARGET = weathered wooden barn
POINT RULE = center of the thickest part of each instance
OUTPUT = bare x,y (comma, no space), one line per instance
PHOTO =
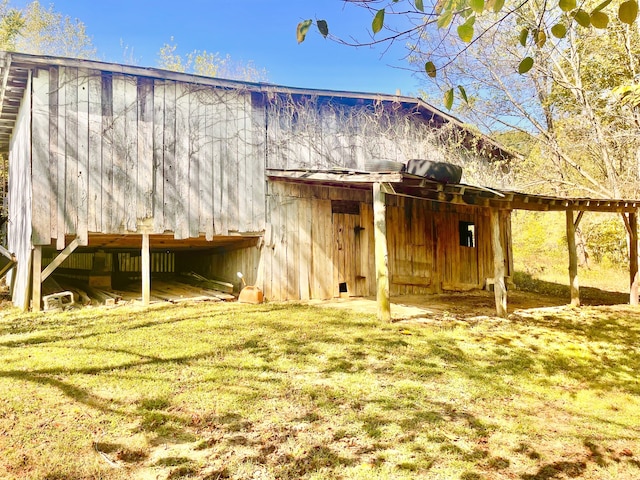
296,188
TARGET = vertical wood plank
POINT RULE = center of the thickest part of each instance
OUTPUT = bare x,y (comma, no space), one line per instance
54,155
500,292
36,275
195,154
217,175
120,149
304,247
71,152
243,162
230,159
206,164
83,158
158,156
169,172
381,253
61,163
146,270
42,185
573,260
182,162
94,195
145,153
132,188
633,258
293,250
258,127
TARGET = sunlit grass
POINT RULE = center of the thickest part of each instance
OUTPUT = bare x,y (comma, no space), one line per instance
290,391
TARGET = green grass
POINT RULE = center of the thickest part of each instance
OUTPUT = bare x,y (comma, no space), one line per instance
287,391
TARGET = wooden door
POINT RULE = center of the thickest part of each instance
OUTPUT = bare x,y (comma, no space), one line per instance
347,254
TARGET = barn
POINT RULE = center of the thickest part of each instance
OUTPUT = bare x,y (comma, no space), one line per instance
308,192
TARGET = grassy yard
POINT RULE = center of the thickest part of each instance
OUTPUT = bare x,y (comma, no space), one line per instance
215,391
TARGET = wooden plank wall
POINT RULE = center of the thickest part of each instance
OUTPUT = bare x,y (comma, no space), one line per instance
116,151
300,257
322,134
20,188
425,255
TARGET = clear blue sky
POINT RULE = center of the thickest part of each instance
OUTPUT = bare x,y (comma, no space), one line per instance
261,31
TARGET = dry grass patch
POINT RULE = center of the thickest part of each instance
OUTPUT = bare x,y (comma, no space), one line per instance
288,391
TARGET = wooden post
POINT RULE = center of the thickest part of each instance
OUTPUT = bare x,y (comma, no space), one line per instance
499,289
146,270
573,260
633,258
381,253
36,296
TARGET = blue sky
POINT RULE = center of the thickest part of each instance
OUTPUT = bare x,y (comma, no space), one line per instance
261,31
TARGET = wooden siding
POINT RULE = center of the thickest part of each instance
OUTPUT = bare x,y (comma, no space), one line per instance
118,153
320,133
20,187
310,248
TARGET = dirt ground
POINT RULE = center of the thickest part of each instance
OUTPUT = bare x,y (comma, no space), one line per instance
467,305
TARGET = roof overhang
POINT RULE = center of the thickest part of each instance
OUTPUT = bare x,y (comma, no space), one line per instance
404,184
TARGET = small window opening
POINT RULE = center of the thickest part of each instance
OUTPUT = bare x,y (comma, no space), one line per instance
467,234
342,287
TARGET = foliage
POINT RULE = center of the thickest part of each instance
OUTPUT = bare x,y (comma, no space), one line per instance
43,31
208,64
474,19
291,391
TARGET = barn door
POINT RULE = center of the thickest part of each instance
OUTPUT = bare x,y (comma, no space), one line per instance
347,236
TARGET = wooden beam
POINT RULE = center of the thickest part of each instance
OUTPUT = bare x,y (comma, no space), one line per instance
573,260
381,253
146,270
576,224
36,296
499,288
62,256
633,258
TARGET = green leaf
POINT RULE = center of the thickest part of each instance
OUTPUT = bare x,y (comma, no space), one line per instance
378,21
477,5
559,30
463,93
303,28
628,11
419,5
465,31
497,5
444,20
524,33
430,68
582,17
448,99
525,65
567,5
599,19
541,38
323,28
602,5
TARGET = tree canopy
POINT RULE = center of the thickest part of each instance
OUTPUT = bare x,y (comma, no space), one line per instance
43,31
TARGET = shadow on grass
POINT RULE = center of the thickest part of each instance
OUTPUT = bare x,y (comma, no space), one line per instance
588,295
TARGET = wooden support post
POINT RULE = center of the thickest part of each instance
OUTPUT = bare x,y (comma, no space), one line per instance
381,253
36,291
573,260
62,256
633,258
499,288
146,270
